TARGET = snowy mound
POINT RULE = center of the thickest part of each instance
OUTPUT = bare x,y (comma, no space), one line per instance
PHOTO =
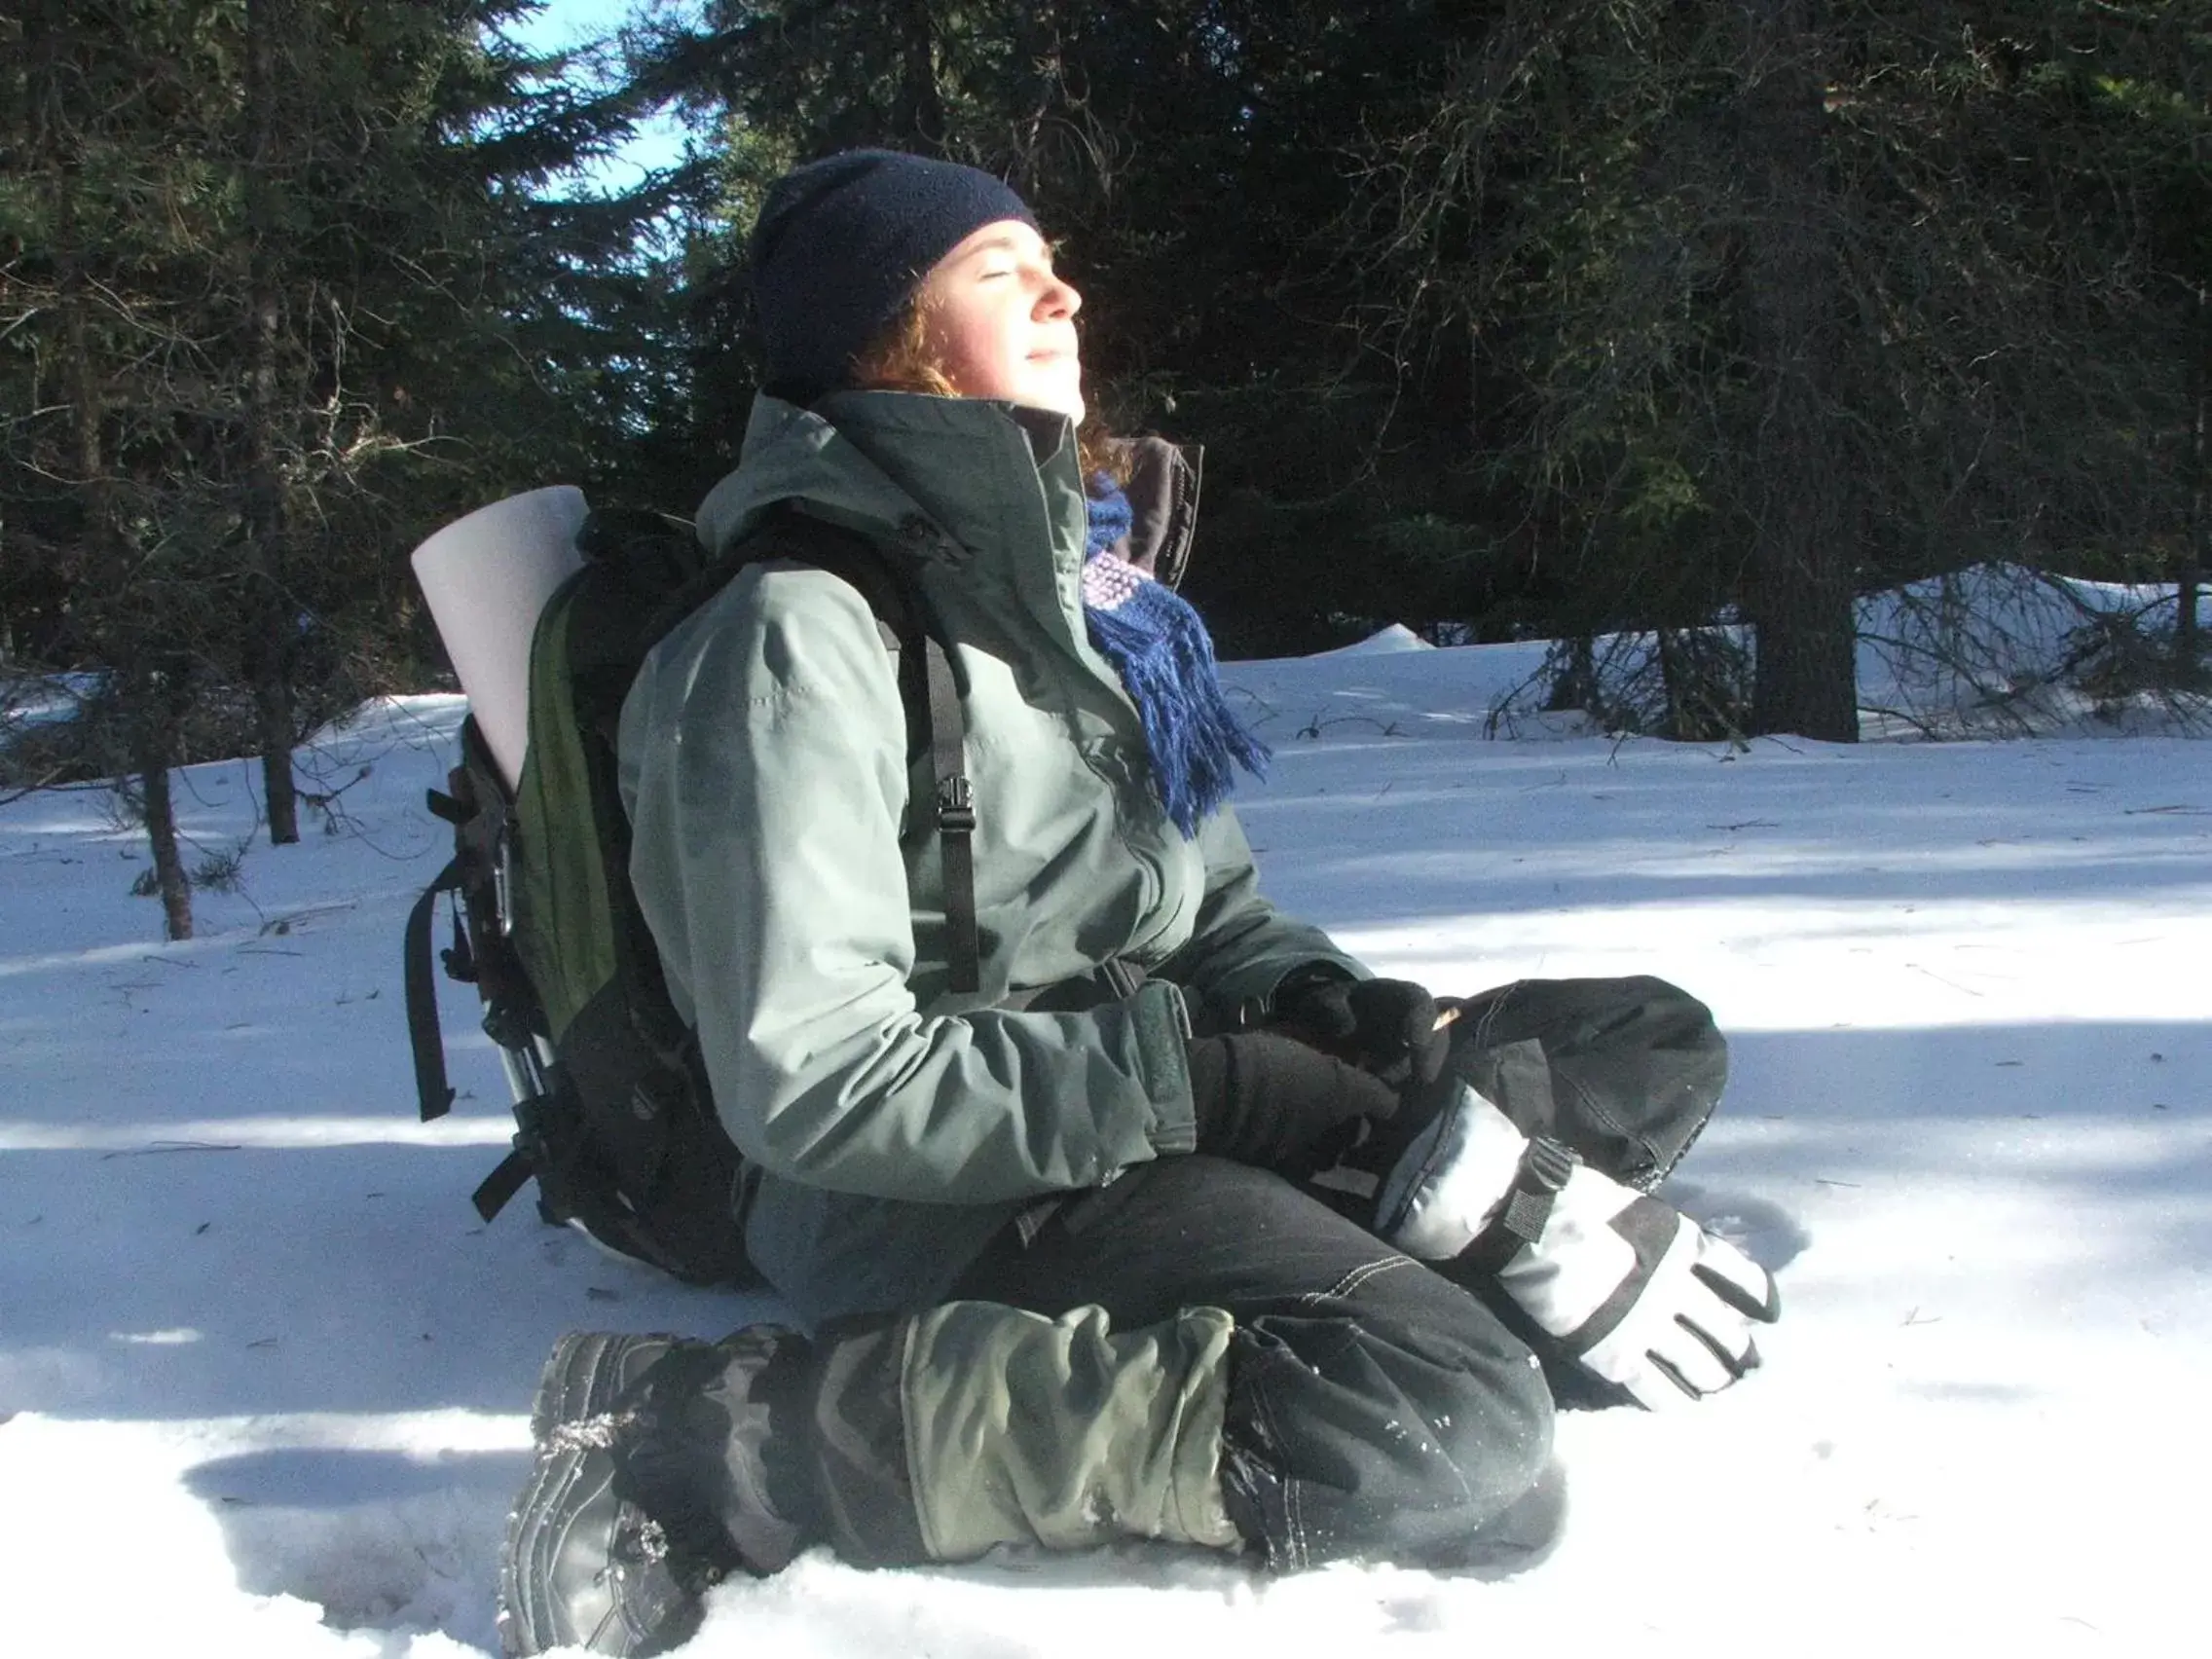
1397,637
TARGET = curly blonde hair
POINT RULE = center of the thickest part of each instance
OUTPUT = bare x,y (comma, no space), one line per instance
901,359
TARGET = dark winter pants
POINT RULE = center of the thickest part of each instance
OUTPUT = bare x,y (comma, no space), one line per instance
1202,1315
1376,1407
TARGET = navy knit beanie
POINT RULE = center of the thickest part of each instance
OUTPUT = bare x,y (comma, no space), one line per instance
843,242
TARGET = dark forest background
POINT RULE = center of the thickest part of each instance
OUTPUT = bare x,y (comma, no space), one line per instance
1537,318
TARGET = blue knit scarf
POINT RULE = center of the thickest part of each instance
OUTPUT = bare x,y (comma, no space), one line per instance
1161,652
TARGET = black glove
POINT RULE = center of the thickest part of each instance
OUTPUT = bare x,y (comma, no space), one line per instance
1384,1026
1277,1104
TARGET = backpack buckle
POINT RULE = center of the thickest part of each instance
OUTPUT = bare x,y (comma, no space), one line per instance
506,1025
956,804
503,886
460,960
529,1138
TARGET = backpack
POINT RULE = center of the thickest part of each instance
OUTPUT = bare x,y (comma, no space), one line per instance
613,1114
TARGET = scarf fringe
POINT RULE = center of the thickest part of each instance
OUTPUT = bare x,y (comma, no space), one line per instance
1159,647
1196,740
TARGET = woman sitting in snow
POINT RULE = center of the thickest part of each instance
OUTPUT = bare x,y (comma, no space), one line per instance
1063,1273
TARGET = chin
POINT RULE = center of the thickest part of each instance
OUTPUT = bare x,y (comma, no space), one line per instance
1051,403
1059,400
1056,386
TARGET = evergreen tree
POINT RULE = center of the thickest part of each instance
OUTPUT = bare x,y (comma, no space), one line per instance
1785,302
286,298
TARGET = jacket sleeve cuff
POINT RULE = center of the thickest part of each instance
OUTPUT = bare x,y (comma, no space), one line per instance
1260,1006
1163,1027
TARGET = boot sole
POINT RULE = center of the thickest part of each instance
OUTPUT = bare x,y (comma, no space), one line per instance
582,1378
526,1623
529,1619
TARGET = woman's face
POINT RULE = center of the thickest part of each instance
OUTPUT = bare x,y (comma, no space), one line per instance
1001,324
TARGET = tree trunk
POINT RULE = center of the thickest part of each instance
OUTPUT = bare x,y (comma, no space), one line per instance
1675,682
2199,544
272,730
150,758
270,621
1797,589
107,576
919,117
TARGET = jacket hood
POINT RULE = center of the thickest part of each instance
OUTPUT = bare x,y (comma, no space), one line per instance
874,460
1163,488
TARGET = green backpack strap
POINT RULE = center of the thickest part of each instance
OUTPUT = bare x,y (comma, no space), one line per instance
434,1092
476,875
955,816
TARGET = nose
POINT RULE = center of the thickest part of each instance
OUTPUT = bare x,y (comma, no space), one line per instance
1059,300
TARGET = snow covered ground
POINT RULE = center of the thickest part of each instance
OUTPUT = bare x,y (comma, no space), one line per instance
262,1371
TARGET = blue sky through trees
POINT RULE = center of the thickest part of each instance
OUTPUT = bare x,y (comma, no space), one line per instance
559,24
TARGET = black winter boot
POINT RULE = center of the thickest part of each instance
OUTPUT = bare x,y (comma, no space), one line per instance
587,1372
652,1485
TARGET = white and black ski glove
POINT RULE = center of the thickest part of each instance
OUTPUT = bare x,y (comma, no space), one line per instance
1633,1289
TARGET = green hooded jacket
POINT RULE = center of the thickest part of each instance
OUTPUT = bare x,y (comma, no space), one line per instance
892,1126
